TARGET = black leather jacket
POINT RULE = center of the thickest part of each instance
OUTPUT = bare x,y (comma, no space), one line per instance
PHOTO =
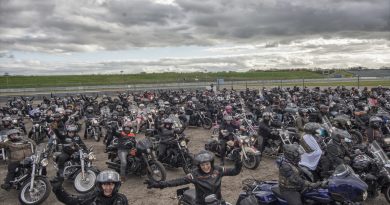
92,198
206,184
67,142
290,177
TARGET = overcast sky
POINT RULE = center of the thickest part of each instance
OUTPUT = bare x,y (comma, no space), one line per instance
107,36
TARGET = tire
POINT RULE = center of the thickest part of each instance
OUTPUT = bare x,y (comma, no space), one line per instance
43,192
252,162
386,192
187,168
96,136
207,123
357,137
157,166
84,187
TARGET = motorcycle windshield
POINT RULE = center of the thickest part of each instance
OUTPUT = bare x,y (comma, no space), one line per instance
144,144
378,152
343,171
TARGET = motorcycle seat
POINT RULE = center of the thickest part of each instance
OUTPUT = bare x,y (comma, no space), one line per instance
190,196
276,190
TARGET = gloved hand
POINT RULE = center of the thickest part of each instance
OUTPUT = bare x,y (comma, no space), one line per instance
154,184
315,185
56,183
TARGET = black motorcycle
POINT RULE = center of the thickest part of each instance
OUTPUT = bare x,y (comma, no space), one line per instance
199,119
79,169
93,129
187,196
141,161
374,169
177,154
30,179
38,131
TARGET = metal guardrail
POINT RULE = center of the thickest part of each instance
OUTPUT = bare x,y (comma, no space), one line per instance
110,89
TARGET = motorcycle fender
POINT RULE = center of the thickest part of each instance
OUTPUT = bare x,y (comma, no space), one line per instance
252,150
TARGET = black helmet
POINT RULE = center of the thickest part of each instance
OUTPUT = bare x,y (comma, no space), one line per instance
108,176
339,134
375,122
311,128
292,152
204,156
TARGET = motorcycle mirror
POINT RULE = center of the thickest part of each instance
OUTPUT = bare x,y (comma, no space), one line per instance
211,199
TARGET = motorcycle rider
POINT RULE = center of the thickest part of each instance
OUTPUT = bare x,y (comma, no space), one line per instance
336,152
166,134
302,118
126,142
206,178
374,131
226,134
291,182
89,114
106,192
70,142
6,123
265,128
311,157
18,148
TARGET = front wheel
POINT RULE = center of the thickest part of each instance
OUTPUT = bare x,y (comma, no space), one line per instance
207,123
38,195
158,172
86,184
252,161
96,135
188,166
386,192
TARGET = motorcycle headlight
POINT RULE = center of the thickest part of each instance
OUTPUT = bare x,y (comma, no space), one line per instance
365,195
148,150
91,156
246,140
387,141
183,143
44,162
36,125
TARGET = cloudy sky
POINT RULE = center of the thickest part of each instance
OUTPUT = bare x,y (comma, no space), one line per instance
108,36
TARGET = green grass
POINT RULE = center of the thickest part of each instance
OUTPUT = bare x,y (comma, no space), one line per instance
85,80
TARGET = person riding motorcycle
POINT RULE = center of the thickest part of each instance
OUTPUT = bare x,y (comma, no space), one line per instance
336,151
105,193
126,142
291,182
6,123
89,114
302,118
311,157
166,135
69,142
265,128
18,148
224,137
207,177
374,131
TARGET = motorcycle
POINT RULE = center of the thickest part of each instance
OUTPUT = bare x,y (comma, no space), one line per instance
199,119
177,154
30,179
274,145
240,145
344,187
187,196
374,169
79,169
94,130
140,161
38,131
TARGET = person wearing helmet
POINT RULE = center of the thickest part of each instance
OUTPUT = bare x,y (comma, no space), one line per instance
228,110
106,192
189,110
71,142
140,116
302,118
166,135
311,157
126,142
158,121
336,151
89,114
266,128
18,148
6,123
291,182
374,131
120,110
226,134
206,177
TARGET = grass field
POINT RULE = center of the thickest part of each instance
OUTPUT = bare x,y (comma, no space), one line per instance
85,80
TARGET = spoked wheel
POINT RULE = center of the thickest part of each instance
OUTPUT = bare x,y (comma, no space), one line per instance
39,193
158,171
207,123
252,161
86,184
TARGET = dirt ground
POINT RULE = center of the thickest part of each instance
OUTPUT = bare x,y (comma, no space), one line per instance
138,194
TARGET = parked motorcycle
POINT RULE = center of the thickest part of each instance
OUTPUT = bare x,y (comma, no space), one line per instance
241,144
344,187
140,161
199,119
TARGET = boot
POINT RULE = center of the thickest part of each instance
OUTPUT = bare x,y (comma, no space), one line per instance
6,186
